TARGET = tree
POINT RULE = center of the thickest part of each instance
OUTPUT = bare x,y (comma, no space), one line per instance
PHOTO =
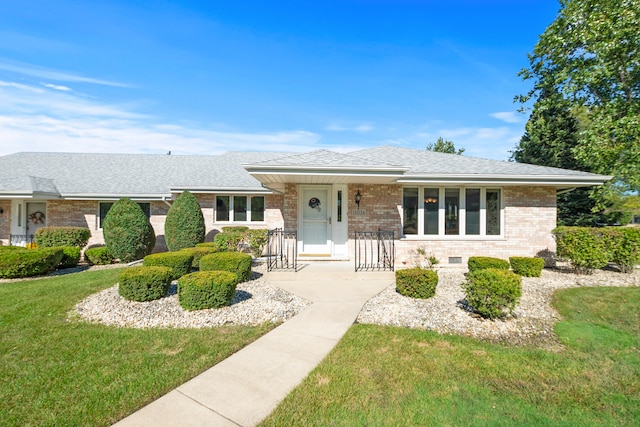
551,136
184,226
590,54
127,232
444,146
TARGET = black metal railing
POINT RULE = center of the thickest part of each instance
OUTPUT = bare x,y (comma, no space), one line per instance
282,250
374,250
20,239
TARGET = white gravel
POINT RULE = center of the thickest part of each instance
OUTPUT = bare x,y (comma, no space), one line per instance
257,301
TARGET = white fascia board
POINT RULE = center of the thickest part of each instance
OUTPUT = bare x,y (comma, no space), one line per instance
573,181
333,170
223,190
139,197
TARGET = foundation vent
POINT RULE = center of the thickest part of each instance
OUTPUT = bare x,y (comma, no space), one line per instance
455,260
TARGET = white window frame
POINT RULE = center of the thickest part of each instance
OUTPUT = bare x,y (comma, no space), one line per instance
231,209
462,214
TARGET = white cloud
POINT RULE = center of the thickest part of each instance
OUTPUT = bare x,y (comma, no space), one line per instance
49,74
56,87
364,127
507,116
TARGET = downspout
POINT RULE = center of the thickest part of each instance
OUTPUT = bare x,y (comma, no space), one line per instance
164,199
566,190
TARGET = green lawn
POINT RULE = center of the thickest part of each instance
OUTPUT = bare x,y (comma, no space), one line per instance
60,372
384,376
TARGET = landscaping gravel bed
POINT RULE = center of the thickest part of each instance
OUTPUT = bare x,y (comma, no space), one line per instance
532,321
257,301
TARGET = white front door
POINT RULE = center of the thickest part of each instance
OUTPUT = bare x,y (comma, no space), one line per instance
316,221
36,217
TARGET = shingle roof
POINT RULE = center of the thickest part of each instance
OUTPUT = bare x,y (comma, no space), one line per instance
85,175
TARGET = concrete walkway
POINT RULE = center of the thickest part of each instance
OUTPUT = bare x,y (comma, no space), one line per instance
245,388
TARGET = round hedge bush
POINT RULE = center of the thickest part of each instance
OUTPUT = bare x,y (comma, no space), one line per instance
127,231
198,252
184,226
179,262
416,282
492,291
99,255
25,262
144,283
235,262
527,266
484,262
70,256
206,289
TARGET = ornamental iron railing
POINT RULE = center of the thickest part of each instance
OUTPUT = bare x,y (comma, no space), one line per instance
374,250
20,239
282,250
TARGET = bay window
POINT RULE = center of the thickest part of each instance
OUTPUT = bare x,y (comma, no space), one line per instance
451,211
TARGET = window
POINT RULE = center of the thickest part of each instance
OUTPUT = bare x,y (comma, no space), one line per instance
240,209
452,211
104,207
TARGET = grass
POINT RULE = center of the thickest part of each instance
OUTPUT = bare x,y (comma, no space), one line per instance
385,376
60,372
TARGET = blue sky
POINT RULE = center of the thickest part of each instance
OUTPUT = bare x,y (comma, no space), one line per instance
204,77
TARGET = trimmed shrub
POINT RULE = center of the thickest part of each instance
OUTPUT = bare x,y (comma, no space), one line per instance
70,256
235,262
492,291
179,262
235,229
184,226
623,244
207,245
206,289
526,266
47,237
144,283
24,262
99,255
127,231
257,240
484,262
583,247
198,252
416,282
228,241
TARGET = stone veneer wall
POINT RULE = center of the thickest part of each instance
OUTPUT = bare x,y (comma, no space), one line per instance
5,216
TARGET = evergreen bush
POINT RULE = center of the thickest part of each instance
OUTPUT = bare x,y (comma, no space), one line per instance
70,256
484,262
416,282
206,289
47,237
198,252
127,231
526,266
207,245
235,262
492,291
228,241
99,255
256,240
585,248
235,229
24,262
184,226
179,262
144,283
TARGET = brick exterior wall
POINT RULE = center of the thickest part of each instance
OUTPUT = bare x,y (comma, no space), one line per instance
529,217
379,208
290,214
5,216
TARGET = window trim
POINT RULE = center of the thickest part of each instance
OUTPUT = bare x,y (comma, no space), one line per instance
248,212
461,218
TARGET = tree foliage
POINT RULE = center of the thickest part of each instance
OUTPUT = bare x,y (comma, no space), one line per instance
184,226
590,54
127,232
550,139
444,146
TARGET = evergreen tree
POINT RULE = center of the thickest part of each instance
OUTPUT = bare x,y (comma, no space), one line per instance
127,232
444,146
184,226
